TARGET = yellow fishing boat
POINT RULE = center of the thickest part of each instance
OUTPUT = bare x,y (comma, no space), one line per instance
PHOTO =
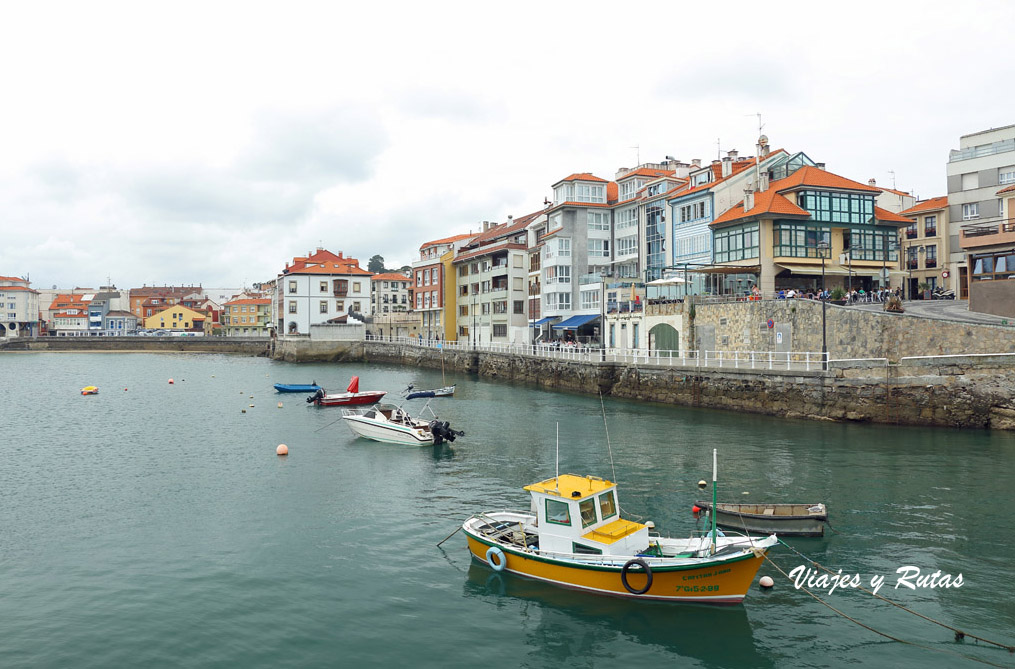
573,536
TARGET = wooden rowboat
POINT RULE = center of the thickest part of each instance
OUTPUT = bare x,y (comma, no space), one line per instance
802,520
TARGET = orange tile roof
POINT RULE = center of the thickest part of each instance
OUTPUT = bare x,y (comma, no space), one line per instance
767,202
819,178
885,216
12,278
484,250
612,191
1006,189
501,229
389,276
249,300
933,204
24,288
897,192
647,172
582,176
325,262
446,240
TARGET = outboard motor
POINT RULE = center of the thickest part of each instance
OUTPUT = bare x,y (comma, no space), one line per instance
316,396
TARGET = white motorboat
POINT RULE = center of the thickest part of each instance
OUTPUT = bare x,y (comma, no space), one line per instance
393,424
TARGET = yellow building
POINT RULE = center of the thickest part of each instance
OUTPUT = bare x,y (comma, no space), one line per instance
176,317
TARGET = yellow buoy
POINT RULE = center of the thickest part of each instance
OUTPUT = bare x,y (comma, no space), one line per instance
282,450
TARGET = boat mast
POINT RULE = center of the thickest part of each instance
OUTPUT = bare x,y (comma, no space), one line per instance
715,468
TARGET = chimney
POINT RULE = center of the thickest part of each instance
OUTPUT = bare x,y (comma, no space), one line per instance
696,162
763,181
820,166
748,200
732,154
510,218
727,166
872,182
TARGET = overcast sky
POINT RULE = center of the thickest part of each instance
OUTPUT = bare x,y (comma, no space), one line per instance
210,142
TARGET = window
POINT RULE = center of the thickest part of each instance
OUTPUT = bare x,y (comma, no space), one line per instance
339,306
582,549
627,218
292,287
462,271
1006,175
558,301
970,211
558,274
500,307
800,240
587,510
971,181
598,220
635,337
558,512
736,243
831,207
693,212
324,306
911,231
355,306
419,300
463,310
485,309
599,248
607,505
590,299
930,257
356,287
500,330
613,335
426,278
519,306
292,306
564,247
324,286
627,246
929,226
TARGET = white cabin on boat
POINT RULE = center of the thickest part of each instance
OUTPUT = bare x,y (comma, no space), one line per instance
581,514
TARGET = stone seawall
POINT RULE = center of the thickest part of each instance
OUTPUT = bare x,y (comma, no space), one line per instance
251,346
956,391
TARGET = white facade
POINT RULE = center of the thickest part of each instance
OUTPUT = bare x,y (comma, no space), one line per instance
19,308
312,299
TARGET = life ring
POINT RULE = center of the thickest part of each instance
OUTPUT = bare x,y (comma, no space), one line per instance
648,576
495,552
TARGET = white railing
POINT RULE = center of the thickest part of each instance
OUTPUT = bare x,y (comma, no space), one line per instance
774,360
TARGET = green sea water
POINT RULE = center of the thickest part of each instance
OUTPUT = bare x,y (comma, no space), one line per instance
152,525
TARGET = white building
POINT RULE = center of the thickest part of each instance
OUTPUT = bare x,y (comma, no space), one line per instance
389,293
319,287
19,308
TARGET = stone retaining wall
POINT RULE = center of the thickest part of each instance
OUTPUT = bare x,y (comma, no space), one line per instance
246,346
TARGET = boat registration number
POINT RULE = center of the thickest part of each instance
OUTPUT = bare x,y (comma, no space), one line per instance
697,588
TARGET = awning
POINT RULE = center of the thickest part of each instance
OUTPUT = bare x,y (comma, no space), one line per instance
542,321
575,322
830,270
727,269
669,281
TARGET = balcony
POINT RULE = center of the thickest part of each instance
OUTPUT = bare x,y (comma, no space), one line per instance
978,235
913,263
930,232
930,263
910,234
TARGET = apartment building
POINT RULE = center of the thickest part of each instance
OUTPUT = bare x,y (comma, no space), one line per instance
248,317
433,289
390,292
318,287
19,305
925,247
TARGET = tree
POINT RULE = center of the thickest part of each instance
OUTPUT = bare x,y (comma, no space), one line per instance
376,264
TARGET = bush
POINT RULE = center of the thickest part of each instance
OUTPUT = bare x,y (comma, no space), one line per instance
837,294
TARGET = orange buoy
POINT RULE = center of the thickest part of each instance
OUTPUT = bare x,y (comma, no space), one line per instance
282,450
696,509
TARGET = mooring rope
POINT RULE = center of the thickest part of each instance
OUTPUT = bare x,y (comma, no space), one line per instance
878,632
959,634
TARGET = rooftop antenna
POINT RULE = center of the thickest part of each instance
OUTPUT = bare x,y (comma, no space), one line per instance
892,172
718,149
637,154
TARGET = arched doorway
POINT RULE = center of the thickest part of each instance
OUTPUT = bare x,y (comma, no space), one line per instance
663,337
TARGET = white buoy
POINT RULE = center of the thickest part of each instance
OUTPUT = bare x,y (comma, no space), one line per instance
279,405
702,483
282,450
649,524
745,493
766,582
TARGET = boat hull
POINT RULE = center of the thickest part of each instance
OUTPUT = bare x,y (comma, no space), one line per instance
349,399
296,388
799,525
389,433
718,582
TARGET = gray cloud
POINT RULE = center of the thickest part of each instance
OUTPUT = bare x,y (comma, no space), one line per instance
447,104
753,77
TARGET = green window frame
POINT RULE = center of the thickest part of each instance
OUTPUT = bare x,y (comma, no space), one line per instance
608,505
582,549
739,242
557,512
833,207
871,244
799,240
587,510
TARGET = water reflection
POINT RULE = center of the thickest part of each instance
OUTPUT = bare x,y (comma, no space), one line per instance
565,625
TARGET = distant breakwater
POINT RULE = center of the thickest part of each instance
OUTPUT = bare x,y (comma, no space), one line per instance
244,346
974,391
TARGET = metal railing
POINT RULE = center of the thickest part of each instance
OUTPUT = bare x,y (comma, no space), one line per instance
774,360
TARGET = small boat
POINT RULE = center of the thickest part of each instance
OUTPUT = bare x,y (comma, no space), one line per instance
90,390
446,391
352,395
394,425
298,387
802,520
574,536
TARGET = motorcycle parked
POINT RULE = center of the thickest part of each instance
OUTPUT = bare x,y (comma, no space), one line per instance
942,294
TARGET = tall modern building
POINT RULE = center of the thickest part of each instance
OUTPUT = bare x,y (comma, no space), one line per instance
983,164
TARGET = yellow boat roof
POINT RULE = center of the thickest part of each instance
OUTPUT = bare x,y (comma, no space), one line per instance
567,484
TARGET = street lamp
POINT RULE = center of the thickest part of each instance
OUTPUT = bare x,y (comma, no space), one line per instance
889,246
823,248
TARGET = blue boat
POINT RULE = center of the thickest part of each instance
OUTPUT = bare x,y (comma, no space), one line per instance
297,387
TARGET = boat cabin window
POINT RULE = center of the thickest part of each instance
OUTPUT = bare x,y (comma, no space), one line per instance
557,512
369,414
588,511
584,550
607,505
